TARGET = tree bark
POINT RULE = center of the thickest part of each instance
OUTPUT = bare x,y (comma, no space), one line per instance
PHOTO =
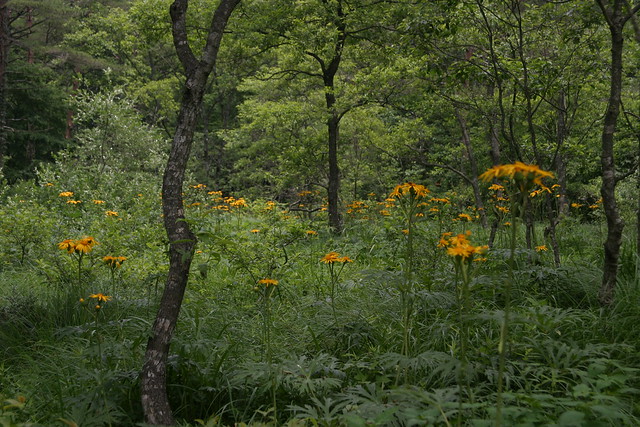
5,42
466,140
155,400
616,21
333,124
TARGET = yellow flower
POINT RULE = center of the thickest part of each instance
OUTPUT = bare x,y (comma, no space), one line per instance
435,199
98,202
255,231
100,297
198,186
312,233
67,245
74,202
465,216
576,205
409,188
305,193
66,194
464,251
268,282
541,248
111,213
332,257
114,261
459,246
238,203
385,212
85,245
496,187
516,171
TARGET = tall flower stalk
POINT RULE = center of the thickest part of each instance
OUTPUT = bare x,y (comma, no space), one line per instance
78,248
520,178
266,288
95,305
460,249
409,196
331,259
113,262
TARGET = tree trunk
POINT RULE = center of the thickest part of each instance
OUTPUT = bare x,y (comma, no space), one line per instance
4,60
333,190
466,140
494,152
155,400
615,224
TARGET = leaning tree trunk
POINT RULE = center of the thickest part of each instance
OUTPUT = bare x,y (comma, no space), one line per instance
155,400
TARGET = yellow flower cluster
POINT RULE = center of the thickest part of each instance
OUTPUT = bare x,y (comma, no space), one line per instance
356,207
516,171
459,245
81,246
114,261
226,203
332,257
439,200
66,194
409,188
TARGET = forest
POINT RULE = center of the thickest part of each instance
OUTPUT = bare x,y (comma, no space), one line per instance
319,213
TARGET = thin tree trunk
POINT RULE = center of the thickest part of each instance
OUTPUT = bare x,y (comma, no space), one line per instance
466,140
556,210
494,152
5,42
333,191
154,397
616,21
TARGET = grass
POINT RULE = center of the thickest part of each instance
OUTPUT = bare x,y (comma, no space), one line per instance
331,361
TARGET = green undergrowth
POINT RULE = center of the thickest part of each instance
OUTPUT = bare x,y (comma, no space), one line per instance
330,344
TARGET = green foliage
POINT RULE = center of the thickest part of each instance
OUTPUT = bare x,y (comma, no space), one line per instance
325,361
36,110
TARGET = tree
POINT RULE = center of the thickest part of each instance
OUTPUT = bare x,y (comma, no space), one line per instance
182,241
616,16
